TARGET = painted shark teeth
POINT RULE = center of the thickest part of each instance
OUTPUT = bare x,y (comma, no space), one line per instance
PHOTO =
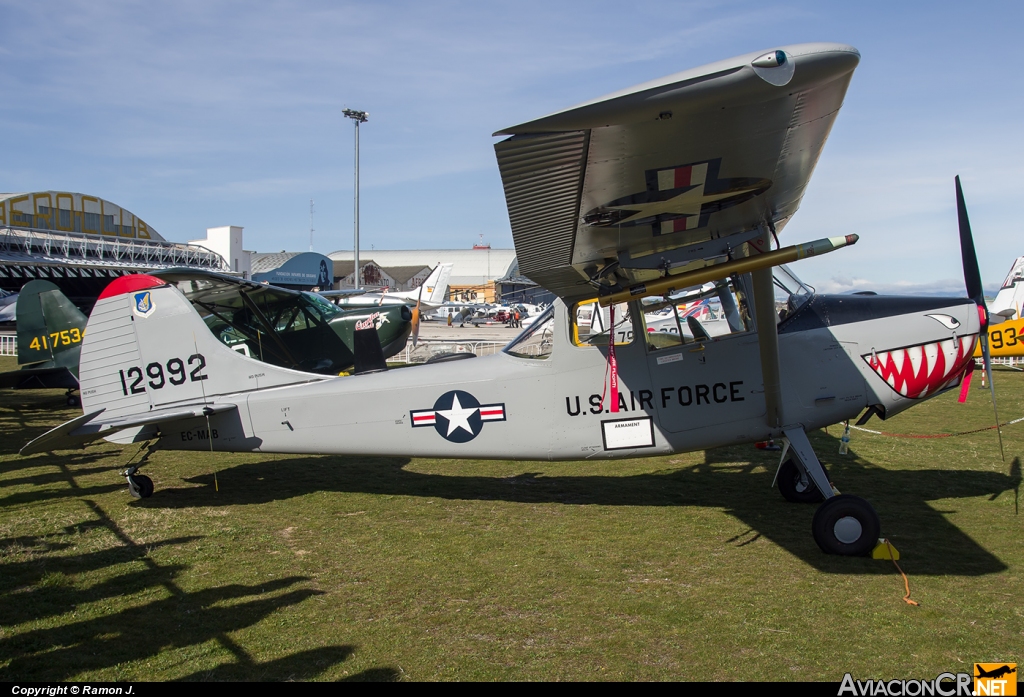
923,369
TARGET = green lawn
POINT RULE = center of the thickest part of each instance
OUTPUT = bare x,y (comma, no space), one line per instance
684,567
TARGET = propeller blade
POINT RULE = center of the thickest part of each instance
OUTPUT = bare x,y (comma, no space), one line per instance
416,318
972,279
972,274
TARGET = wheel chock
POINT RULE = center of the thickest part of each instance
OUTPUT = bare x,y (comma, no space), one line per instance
885,550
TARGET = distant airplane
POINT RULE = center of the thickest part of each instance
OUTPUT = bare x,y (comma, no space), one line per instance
1006,326
8,306
430,293
50,331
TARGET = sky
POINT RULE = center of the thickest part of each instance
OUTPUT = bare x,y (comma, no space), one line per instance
199,114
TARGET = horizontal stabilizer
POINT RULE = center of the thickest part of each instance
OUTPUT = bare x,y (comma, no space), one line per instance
87,428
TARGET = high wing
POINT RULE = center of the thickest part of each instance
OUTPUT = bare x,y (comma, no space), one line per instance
663,176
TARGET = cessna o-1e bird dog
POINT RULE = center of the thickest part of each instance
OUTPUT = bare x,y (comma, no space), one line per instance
647,192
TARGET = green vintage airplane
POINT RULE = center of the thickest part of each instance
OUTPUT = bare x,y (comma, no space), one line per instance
291,329
50,331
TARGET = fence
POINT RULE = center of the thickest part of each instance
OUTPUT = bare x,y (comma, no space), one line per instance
427,349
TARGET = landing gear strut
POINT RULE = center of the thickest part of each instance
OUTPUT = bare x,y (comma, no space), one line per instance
844,524
795,486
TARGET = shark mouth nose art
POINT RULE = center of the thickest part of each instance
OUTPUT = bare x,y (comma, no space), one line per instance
920,370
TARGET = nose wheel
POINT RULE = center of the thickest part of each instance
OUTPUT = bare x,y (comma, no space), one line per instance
846,525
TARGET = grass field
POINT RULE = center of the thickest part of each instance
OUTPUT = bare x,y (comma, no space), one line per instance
685,567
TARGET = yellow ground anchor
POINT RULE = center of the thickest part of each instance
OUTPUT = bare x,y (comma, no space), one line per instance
885,550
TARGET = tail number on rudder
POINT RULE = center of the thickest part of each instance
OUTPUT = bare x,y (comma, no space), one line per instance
132,379
67,337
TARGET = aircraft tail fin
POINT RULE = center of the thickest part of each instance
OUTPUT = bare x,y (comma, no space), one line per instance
146,348
435,287
48,323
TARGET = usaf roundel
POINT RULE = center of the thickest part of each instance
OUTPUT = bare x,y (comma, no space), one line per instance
457,416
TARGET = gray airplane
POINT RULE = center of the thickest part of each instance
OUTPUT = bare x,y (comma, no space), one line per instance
649,191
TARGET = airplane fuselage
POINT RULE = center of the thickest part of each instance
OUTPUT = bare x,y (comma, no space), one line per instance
694,396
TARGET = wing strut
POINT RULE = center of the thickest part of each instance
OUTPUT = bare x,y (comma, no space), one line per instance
768,342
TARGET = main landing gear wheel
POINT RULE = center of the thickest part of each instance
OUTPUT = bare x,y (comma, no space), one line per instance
73,400
846,525
795,486
139,486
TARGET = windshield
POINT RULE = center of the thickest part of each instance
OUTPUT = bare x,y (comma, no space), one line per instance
536,341
326,307
790,292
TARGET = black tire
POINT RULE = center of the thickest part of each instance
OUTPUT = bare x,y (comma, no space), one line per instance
140,486
846,525
445,357
792,488
74,401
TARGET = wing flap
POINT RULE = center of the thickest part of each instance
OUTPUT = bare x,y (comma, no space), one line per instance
543,176
88,427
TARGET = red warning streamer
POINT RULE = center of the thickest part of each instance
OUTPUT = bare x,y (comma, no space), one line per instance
613,365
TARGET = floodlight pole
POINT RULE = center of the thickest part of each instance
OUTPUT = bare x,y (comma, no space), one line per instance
359,117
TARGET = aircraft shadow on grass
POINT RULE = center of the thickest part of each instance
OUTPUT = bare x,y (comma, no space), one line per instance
736,479
41,589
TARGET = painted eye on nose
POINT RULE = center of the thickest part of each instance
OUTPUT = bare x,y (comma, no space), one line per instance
946,321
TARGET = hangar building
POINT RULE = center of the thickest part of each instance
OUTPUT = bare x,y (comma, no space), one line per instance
80,242
475,269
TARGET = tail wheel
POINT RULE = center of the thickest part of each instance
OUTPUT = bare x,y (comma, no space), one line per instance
140,486
846,525
795,486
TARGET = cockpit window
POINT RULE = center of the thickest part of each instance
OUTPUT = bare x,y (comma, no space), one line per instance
326,308
537,340
591,323
790,292
713,310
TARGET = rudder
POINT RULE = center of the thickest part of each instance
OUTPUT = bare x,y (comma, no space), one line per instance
48,323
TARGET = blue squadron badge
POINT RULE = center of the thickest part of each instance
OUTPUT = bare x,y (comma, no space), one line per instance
458,416
142,304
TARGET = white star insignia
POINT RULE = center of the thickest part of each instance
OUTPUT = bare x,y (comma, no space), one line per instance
458,416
